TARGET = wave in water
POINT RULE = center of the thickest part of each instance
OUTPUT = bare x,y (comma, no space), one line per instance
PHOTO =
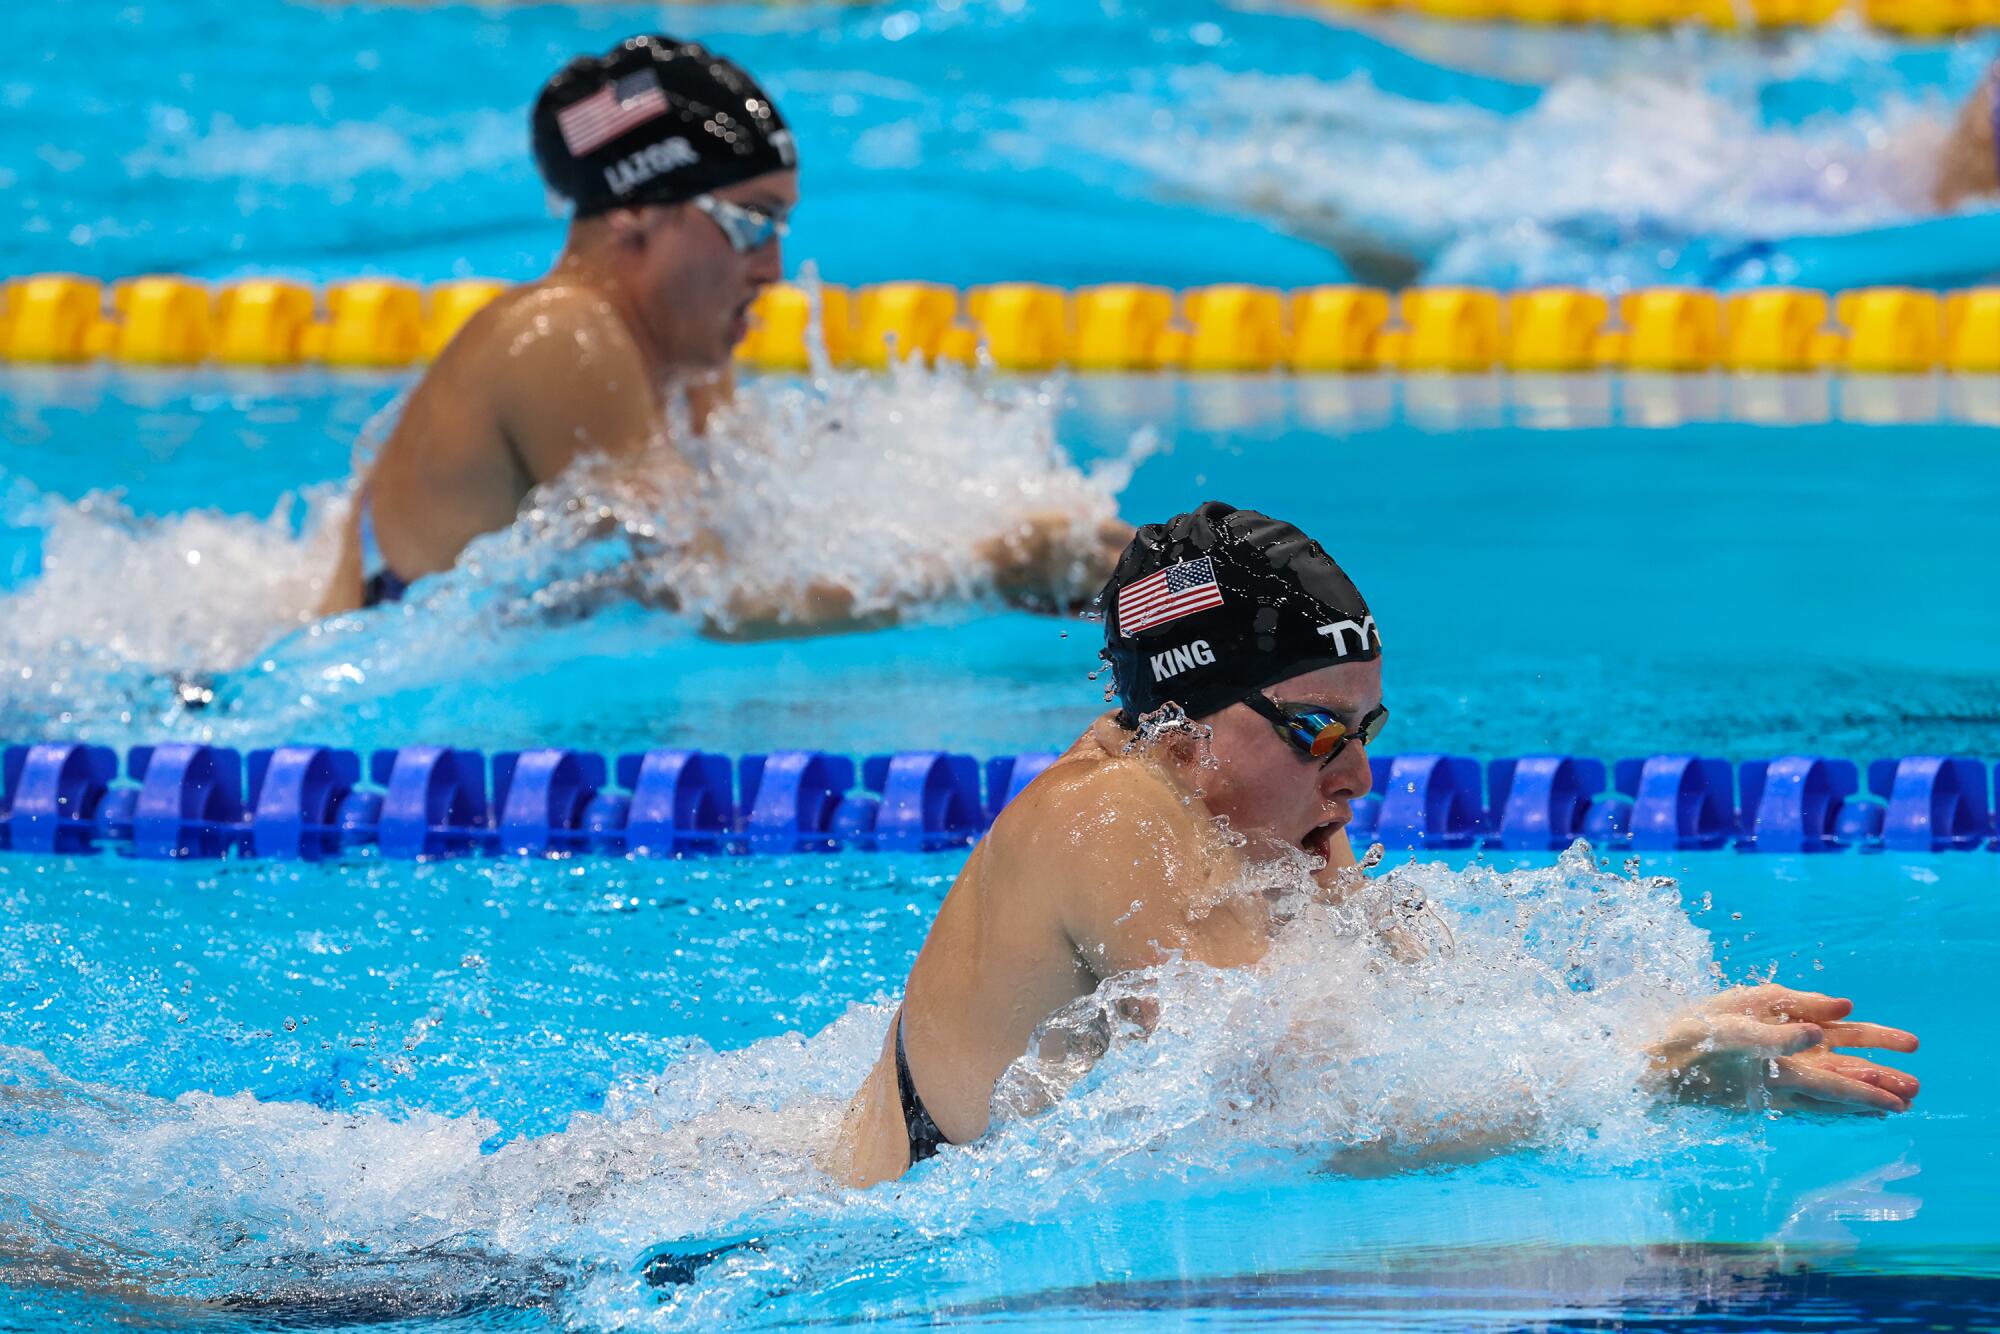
1432,1007
1602,180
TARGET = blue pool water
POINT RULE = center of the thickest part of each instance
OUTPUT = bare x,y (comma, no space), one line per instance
472,1095
1172,141
449,1092
476,1093
1722,587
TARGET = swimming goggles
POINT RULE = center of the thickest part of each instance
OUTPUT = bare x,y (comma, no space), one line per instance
1314,731
744,227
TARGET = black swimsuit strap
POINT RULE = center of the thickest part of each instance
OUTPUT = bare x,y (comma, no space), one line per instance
384,585
925,1137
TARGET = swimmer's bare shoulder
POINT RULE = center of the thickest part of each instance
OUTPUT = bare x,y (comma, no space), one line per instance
564,375
1130,866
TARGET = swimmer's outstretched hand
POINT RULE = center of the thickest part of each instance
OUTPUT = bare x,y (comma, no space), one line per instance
1773,1046
1050,562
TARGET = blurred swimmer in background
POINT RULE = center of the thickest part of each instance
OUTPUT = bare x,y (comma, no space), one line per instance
681,176
1150,840
1970,164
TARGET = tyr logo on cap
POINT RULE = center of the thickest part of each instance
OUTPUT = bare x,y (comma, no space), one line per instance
1363,630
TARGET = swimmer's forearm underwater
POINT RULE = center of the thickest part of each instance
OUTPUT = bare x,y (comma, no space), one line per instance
1043,564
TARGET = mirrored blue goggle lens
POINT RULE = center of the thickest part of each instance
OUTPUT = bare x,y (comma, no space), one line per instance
1318,732
749,229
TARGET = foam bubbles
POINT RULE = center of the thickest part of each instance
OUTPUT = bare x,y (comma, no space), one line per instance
126,603
890,487
1428,1009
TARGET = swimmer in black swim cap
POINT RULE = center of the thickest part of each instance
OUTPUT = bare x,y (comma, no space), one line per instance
1243,623
681,176
659,121
1110,860
1210,607
1151,843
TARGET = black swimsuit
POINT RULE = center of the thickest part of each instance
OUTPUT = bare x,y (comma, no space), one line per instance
385,585
379,583
925,1137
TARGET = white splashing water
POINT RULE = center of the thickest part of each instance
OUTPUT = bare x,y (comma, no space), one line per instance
1594,165
1432,1008
887,485
124,600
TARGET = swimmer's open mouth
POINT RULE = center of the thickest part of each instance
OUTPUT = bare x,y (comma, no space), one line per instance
1316,842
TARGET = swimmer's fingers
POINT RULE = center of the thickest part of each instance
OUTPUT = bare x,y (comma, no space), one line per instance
1828,1090
1884,1077
1785,1004
1793,1100
1743,1036
1702,1037
1869,1035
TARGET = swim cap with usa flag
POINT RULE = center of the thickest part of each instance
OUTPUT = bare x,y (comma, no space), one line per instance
654,120
1219,602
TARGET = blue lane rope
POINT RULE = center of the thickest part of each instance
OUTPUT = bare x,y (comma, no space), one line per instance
187,800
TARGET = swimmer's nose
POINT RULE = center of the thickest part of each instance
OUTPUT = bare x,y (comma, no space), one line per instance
767,263
1348,776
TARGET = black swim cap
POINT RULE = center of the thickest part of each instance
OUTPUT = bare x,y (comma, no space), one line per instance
654,120
1214,604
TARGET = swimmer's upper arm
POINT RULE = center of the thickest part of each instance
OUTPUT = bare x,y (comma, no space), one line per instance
571,380
1135,877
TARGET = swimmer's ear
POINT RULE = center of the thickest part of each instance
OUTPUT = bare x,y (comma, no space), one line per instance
630,225
625,223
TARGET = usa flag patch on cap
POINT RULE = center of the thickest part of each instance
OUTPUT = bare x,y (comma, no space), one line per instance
1167,595
610,111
